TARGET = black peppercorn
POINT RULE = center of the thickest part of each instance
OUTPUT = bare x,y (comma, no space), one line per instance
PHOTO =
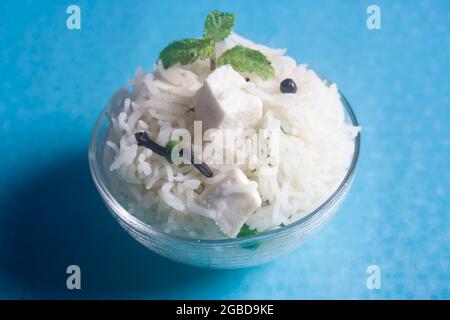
288,86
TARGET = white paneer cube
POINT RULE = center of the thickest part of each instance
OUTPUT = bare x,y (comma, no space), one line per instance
222,102
234,199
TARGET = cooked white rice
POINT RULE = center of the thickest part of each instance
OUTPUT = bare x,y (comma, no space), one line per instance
316,151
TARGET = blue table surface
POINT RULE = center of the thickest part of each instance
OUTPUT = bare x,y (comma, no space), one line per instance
55,81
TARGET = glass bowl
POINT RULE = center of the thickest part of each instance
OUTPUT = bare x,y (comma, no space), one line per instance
219,254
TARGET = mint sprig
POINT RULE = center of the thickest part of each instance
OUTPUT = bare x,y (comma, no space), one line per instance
186,51
218,26
247,60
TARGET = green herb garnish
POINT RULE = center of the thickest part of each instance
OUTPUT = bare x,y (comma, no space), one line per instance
247,60
172,144
327,82
186,51
218,26
246,231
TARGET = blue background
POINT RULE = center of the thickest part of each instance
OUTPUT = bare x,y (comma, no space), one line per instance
55,81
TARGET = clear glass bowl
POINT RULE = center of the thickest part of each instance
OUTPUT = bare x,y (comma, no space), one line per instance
220,254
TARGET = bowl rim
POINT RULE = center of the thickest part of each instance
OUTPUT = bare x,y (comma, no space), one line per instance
120,212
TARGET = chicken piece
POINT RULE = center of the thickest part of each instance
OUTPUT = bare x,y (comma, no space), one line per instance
222,102
234,199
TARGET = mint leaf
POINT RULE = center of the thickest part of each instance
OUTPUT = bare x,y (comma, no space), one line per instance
245,231
247,60
218,25
186,51
327,82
